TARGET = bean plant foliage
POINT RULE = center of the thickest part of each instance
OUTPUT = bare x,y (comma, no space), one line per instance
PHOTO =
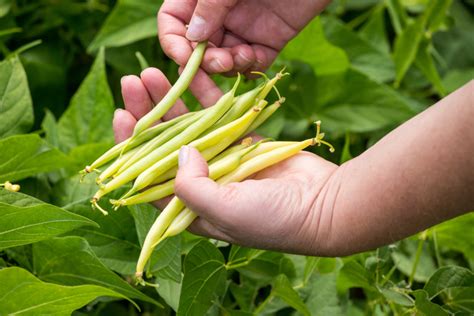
362,68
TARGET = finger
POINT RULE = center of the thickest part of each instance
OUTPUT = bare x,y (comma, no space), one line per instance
204,228
208,18
244,57
172,19
202,195
158,85
204,89
217,60
123,124
135,96
264,57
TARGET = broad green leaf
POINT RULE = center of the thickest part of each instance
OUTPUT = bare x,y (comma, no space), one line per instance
25,220
461,300
169,291
240,255
374,31
22,293
166,258
130,21
457,234
267,266
353,274
397,296
244,293
70,261
406,48
353,102
73,189
83,155
204,271
323,298
363,55
282,288
455,79
50,128
88,118
425,307
16,108
312,47
448,277
27,155
115,243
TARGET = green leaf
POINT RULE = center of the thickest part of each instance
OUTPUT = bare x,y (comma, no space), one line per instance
455,79
204,271
71,261
353,274
169,291
22,293
88,118
312,47
165,261
374,31
267,266
50,127
323,298
352,102
27,155
406,48
282,288
130,21
461,300
425,306
397,296
115,243
457,234
25,220
16,107
363,55
448,277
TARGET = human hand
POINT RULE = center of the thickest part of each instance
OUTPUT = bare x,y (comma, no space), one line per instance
273,210
279,208
247,35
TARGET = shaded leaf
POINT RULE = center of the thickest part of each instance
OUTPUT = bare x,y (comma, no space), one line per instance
27,155
22,293
204,271
88,119
282,288
25,220
312,47
70,261
448,277
16,108
130,21
115,243
425,306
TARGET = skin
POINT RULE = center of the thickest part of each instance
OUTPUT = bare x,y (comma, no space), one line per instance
420,174
417,176
245,35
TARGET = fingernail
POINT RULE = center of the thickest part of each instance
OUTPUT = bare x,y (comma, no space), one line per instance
183,156
216,66
118,111
196,29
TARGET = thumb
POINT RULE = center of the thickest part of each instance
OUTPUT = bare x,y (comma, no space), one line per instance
195,188
208,17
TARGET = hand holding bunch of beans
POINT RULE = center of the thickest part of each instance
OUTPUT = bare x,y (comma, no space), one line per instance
406,182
